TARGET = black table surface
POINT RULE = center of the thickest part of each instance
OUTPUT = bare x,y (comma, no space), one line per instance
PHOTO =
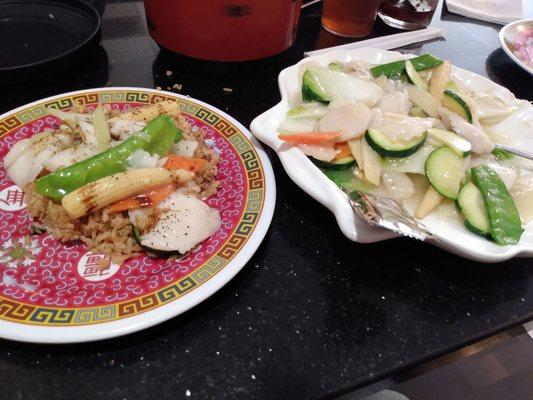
312,315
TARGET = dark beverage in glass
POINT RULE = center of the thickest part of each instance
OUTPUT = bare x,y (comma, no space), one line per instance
407,14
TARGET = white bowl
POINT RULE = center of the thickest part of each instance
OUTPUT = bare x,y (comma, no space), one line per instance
452,237
506,36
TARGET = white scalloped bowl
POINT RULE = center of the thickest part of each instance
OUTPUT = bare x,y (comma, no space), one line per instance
452,237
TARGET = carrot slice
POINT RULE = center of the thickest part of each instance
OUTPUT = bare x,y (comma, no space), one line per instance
146,199
309,137
344,150
188,163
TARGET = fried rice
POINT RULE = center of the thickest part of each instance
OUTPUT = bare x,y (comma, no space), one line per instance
112,233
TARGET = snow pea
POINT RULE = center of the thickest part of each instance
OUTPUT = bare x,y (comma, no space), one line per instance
501,154
504,220
397,68
162,134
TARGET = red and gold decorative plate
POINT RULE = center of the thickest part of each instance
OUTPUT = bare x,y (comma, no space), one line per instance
53,293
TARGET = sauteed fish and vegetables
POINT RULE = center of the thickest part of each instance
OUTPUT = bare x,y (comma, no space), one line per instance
411,131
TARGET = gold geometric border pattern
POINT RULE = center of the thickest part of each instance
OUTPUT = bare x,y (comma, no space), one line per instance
14,311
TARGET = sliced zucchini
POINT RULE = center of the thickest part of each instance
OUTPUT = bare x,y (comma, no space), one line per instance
413,76
470,202
312,89
338,165
417,112
396,68
387,148
455,103
444,170
424,100
324,85
462,147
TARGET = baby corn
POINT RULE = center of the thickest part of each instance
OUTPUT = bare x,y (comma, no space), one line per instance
103,192
146,114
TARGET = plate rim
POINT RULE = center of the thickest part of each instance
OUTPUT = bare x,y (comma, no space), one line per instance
329,194
107,330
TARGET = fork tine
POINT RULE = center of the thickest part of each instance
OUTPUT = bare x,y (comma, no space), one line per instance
387,213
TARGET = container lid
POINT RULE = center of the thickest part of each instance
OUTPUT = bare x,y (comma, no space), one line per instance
40,36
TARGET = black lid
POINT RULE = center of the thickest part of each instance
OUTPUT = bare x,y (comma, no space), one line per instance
41,36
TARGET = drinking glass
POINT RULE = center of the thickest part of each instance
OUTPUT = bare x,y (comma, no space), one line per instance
349,18
407,14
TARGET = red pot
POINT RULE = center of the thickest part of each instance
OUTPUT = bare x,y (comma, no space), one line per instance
223,30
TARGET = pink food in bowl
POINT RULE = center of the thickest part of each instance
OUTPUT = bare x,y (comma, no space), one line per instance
523,46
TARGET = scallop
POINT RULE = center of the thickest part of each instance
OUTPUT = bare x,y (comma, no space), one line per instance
350,117
394,102
184,222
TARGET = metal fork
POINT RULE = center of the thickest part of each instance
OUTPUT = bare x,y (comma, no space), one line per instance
387,213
